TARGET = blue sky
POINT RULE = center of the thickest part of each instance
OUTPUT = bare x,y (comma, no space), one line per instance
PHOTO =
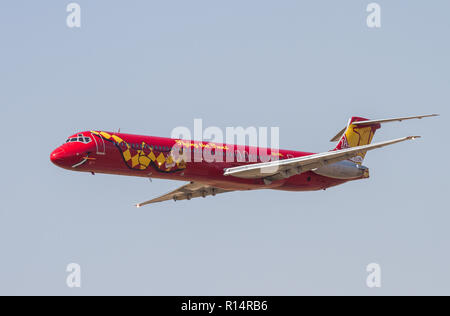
149,66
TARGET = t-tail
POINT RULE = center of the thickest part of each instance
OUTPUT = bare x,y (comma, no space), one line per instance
360,131
355,135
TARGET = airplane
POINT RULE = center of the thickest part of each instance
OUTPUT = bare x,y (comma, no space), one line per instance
233,168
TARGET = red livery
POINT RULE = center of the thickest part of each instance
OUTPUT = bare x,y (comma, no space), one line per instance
213,168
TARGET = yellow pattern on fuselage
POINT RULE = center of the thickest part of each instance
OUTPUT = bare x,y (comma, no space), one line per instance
141,160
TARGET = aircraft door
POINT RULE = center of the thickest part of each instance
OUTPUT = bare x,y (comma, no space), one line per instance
100,144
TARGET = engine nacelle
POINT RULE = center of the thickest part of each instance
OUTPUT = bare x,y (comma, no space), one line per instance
344,170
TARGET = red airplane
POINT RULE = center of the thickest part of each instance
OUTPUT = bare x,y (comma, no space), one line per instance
232,168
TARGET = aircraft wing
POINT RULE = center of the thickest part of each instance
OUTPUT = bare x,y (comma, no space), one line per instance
281,169
187,192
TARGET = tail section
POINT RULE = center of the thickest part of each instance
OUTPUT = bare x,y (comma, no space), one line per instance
360,131
357,135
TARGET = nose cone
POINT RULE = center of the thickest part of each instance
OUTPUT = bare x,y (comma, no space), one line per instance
57,156
62,157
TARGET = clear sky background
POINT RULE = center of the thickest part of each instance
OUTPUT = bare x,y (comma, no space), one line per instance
149,66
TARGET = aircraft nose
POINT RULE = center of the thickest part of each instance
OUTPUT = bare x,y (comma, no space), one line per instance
57,156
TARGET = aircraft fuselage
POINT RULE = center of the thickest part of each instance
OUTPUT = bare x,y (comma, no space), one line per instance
174,159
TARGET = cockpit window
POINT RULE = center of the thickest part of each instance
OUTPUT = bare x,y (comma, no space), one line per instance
80,138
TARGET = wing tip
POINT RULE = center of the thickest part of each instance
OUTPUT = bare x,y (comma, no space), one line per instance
428,115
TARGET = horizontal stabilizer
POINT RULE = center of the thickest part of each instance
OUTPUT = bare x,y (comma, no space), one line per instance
398,119
373,122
